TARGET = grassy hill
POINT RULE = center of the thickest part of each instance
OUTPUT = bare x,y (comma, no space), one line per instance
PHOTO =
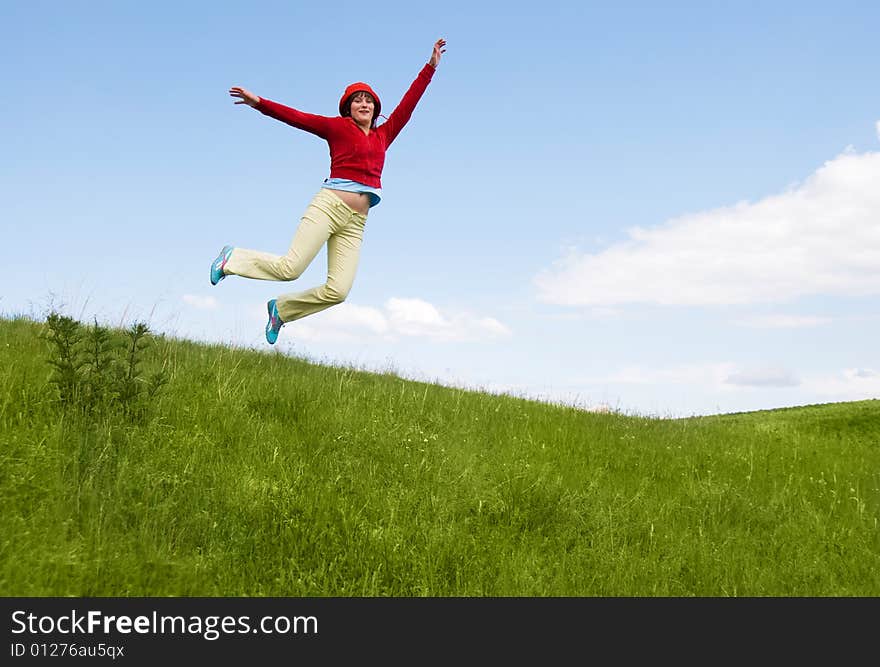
255,474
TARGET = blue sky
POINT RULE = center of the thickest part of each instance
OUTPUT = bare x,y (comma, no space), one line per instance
666,210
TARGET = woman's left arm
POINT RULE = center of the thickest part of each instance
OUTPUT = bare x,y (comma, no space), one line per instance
403,111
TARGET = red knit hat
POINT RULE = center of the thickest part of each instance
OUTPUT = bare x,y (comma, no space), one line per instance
357,88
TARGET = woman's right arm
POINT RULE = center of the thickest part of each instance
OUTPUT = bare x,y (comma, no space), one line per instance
313,123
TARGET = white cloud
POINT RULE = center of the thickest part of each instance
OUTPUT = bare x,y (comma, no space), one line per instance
697,374
399,318
201,302
821,237
344,322
718,387
763,377
715,376
851,384
783,322
414,317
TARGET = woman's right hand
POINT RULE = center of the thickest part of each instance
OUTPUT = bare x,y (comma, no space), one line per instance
245,96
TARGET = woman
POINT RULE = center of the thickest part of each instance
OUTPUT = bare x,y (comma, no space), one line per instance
337,214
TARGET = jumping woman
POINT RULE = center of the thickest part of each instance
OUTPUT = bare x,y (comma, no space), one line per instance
337,214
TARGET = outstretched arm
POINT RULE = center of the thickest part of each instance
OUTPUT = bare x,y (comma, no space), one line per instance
318,125
403,111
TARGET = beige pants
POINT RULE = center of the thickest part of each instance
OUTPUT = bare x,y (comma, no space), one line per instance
327,220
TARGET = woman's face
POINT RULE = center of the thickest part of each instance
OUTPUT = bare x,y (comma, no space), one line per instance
362,107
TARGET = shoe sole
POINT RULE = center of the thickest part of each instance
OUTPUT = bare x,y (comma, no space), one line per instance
222,258
269,325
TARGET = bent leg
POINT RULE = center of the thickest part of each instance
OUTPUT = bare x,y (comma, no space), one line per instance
312,233
343,254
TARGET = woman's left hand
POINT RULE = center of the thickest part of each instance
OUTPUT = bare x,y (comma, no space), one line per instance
439,50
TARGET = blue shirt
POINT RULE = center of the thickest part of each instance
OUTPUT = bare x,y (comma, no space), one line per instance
375,194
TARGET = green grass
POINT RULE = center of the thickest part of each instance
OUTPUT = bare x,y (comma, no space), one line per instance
256,474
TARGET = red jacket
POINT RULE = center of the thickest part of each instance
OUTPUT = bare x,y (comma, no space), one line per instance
354,155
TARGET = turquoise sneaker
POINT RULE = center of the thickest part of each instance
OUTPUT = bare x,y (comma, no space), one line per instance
273,326
217,265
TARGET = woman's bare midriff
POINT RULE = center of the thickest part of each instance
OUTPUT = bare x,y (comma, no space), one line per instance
359,201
